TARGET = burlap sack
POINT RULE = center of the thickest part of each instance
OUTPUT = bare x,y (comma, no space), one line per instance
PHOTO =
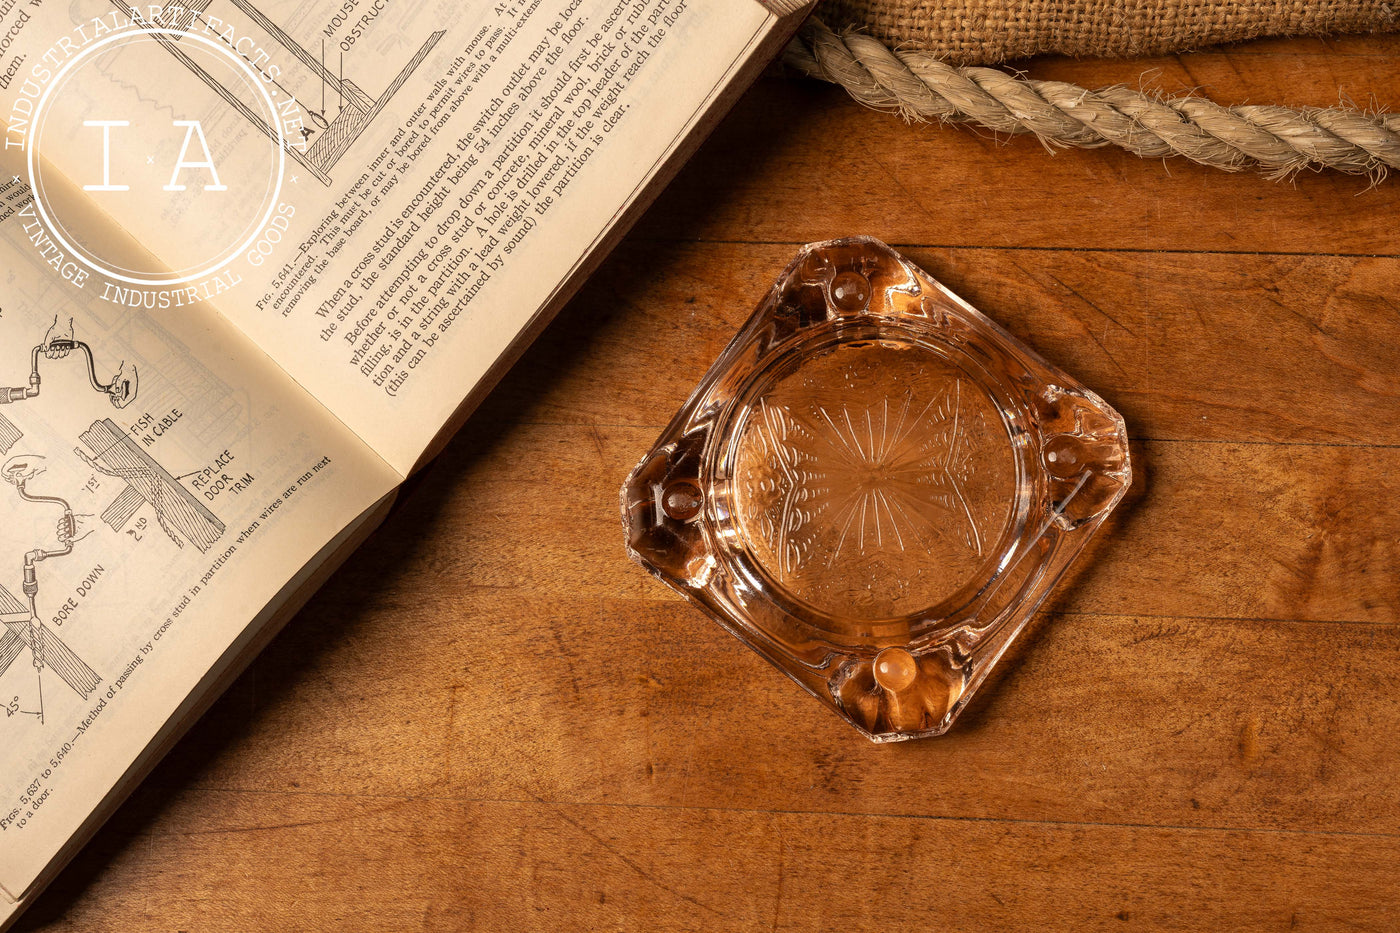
967,32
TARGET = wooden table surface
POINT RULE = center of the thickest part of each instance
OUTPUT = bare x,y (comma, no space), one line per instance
491,720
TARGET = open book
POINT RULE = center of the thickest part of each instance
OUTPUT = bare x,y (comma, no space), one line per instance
223,349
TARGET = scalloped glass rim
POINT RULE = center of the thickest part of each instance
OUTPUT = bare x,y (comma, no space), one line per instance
874,486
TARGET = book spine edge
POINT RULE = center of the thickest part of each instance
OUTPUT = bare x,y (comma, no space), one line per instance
786,7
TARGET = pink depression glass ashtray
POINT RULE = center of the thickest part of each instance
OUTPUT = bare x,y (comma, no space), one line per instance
874,487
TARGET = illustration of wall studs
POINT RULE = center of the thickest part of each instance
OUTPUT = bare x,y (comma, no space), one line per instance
334,133
9,434
181,516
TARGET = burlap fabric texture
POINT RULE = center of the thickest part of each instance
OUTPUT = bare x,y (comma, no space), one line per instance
971,32
1276,140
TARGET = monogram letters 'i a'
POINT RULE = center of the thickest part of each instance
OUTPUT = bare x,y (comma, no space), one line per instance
193,131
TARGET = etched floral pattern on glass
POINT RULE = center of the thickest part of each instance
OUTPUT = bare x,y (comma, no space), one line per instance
874,487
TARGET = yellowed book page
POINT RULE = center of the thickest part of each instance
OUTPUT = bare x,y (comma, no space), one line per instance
447,166
161,479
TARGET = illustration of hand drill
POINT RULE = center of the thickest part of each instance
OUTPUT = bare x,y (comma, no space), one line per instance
47,651
120,391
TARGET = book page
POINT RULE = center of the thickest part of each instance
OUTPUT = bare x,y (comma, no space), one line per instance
161,480
446,167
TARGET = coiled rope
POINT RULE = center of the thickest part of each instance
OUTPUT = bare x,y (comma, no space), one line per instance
1275,140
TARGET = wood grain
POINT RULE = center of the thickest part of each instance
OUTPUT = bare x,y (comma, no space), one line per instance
930,186
491,720
1318,330
357,863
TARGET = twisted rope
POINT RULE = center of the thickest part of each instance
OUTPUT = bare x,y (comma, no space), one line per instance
1276,140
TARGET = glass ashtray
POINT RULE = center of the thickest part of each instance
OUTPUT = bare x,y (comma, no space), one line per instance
874,487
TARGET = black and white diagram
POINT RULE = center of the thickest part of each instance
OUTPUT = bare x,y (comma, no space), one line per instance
187,383
181,516
345,109
58,344
23,628
9,435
